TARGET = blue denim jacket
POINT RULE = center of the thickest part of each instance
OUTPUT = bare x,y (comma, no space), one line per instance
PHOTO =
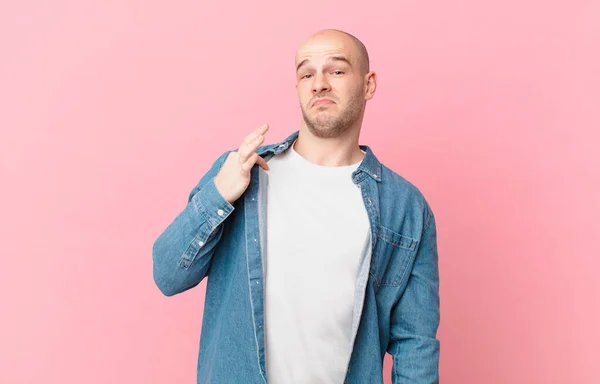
397,306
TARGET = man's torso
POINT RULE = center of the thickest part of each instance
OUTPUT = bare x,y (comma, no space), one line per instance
316,229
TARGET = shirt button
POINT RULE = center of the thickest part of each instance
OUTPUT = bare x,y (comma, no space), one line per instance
220,212
200,243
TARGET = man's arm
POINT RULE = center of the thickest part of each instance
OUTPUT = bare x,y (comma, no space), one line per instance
415,317
182,253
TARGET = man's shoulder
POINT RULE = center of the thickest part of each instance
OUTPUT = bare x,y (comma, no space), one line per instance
397,186
395,180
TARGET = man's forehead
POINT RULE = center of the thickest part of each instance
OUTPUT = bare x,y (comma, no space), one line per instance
321,52
325,55
333,44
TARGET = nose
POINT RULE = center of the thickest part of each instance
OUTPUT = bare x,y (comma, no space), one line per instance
320,84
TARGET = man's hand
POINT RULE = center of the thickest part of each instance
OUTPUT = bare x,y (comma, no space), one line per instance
234,176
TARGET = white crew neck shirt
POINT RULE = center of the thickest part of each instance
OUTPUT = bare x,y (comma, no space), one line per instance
317,225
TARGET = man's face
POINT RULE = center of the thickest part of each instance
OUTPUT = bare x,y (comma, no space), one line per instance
329,69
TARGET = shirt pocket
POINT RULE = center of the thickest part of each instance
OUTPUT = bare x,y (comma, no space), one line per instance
393,253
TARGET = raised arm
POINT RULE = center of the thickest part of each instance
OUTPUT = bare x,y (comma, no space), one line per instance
182,253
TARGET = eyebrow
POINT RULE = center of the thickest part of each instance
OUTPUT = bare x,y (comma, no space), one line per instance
332,58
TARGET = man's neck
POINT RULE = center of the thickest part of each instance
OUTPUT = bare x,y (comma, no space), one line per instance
330,152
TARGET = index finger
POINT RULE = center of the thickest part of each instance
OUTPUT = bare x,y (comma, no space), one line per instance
258,131
251,143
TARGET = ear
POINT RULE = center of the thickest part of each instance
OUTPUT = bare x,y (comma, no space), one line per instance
370,85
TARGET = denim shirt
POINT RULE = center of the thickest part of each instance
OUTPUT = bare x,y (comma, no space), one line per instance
396,306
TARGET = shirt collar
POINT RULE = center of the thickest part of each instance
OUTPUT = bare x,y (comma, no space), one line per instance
369,165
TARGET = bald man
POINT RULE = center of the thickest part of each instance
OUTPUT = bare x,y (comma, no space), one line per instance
319,258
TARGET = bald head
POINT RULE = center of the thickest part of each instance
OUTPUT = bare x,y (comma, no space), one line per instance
334,82
354,47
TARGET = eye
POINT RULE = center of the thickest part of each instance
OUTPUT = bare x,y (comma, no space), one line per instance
338,71
304,77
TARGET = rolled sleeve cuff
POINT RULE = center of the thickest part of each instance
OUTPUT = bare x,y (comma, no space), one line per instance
212,204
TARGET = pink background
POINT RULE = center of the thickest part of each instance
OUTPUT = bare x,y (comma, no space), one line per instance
111,111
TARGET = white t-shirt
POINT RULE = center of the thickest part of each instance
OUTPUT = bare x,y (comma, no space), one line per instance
316,228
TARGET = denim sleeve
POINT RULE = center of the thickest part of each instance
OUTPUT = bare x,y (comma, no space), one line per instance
416,315
182,253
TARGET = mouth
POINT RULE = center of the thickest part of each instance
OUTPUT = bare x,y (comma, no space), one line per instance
322,102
